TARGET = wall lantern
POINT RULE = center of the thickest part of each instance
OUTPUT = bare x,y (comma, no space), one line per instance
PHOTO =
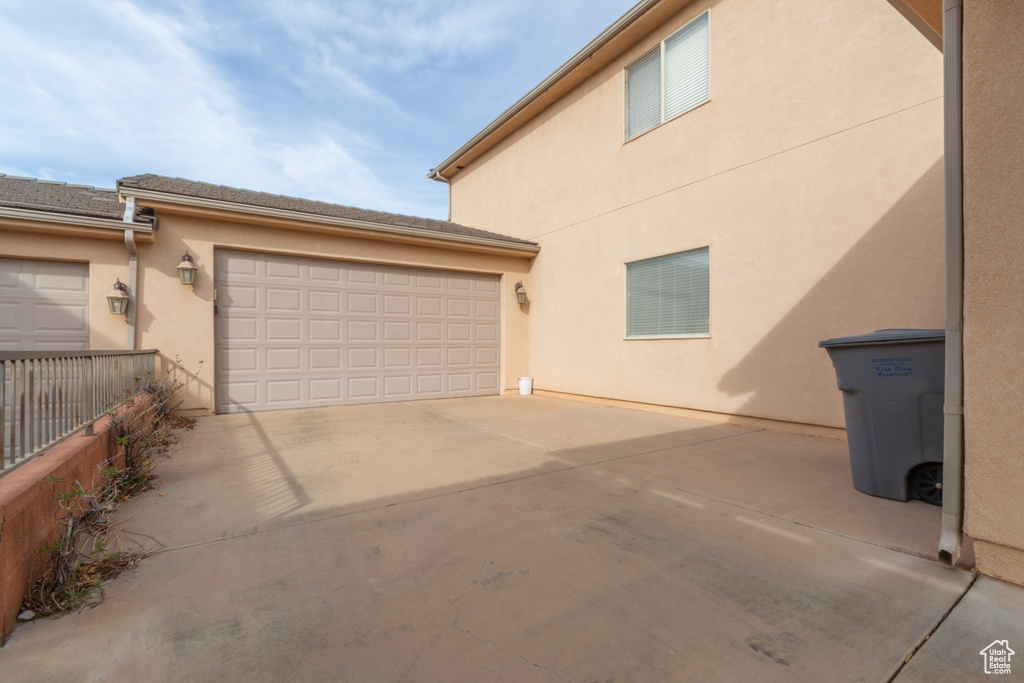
187,270
520,293
118,299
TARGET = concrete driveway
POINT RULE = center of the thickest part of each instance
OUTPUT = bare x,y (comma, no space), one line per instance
520,539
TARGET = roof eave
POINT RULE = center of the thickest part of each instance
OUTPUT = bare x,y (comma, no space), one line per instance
925,16
33,220
447,168
317,223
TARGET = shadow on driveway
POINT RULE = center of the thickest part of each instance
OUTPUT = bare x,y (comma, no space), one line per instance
506,539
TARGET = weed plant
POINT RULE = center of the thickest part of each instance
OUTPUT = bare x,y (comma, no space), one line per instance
91,550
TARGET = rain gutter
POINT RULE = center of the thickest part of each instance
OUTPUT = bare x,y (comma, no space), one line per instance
113,225
579,58
522,249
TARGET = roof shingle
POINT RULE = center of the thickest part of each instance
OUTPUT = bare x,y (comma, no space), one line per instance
45,195
192,188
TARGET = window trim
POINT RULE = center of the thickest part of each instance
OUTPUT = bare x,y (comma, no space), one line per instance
660,48
626,336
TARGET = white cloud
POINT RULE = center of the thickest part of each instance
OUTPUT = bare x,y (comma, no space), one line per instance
393,35
348,101
142,96
324,166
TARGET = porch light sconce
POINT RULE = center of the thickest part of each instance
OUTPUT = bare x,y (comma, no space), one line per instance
520,293
118,299
187,270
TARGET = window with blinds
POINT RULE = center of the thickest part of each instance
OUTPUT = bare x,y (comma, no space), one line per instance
670,80
669,296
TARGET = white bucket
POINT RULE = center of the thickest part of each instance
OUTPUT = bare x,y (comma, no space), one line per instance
525,386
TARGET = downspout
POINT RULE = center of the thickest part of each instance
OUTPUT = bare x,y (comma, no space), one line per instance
953,418
436,175
133,271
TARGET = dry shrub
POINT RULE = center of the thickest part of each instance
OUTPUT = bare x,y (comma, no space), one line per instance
91,550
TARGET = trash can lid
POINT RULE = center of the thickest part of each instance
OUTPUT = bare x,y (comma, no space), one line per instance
886,337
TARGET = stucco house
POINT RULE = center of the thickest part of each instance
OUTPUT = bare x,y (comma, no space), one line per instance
295,302
691,203
790,172
783,165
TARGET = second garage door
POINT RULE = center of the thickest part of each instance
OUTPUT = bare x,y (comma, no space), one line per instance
44,305
294,332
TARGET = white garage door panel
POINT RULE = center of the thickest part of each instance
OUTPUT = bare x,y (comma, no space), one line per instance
295,332
44,305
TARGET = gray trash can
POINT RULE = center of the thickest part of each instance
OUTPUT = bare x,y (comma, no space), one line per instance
893,387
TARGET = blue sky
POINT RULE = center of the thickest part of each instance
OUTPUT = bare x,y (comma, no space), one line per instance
350,101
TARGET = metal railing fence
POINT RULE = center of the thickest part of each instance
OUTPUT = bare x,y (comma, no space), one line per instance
48,395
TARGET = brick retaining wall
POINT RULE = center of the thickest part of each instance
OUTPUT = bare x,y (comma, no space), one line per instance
28,511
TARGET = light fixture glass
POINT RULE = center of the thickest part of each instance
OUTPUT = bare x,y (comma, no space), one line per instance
520,293
187,270
118,299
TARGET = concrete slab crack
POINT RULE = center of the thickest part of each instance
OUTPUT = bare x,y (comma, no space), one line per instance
423,571
910,655
405,555
509,652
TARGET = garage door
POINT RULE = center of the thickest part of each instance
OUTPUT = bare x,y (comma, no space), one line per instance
44,305
295,332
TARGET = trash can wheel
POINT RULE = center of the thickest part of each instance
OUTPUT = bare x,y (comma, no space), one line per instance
926,482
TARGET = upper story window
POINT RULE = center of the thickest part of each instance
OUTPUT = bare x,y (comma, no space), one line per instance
669,80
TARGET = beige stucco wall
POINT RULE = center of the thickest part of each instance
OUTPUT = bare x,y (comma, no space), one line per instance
814,174
994,283
179,320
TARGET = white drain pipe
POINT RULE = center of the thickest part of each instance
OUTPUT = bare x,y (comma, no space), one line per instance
133,271
437,176
953,418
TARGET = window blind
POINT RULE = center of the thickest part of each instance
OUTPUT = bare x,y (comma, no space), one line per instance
669,295
686,67
671,80
643,95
